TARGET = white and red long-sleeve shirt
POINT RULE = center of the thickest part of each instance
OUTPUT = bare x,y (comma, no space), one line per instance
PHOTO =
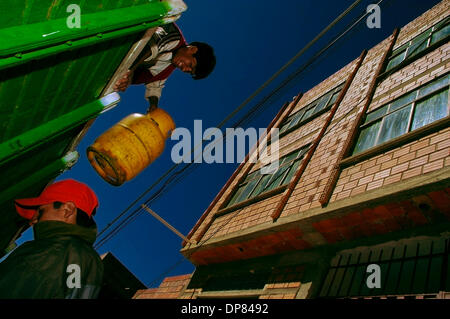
157,67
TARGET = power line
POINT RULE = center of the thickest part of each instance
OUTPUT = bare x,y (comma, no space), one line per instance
289,79
293,75
240,107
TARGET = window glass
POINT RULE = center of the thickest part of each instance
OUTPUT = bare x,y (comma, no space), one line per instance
441,24
400,49
416,109
433,86
296,118
376,114
322,102
247,190
287,123
284,127
292,171
256,183
250,176
430,110
290,157
440,34
367,137
308,113
290,118
406,99
418,44
236,195
276,179
303,152
261,185
311,109
334,98
396,60
395,124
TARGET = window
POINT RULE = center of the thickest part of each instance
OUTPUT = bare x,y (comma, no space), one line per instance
256,183
321,104
405,114
419,43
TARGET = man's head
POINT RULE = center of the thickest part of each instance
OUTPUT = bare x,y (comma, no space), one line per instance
68,201
197,59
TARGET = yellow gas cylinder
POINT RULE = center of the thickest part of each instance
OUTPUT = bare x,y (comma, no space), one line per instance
127,148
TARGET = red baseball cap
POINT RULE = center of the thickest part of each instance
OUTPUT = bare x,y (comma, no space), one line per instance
68,190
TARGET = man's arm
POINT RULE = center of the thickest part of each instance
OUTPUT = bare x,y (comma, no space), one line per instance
124,82
153,100
153,93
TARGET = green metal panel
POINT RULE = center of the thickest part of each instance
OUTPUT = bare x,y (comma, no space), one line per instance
35,137
70,80
16,189
25,37
51,80
21,12
30,162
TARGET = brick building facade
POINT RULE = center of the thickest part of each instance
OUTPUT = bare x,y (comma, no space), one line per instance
364,178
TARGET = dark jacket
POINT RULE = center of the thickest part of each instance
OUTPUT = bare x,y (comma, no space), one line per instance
47,266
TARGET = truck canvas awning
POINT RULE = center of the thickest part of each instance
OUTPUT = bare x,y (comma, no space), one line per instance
55,79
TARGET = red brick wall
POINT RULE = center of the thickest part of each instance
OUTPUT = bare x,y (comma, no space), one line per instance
170,288
313,181
425,155
419,157
284,282
260,212
248,216
423,22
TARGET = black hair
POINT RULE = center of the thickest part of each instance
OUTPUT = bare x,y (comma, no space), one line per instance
83,218
206,60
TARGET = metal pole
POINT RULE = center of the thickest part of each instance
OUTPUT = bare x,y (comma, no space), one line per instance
166,223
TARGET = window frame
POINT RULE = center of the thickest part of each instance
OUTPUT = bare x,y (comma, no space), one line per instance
311,106
409,59
263,194
409,135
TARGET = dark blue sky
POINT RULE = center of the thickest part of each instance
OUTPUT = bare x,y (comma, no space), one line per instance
252,40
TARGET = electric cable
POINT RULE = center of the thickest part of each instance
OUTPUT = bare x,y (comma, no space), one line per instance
250,114
287,80
239,108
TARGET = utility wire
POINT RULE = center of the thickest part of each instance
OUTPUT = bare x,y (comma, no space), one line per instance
239,108
293,75
159,193
289,79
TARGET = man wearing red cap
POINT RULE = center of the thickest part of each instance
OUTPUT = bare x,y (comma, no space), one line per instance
60,262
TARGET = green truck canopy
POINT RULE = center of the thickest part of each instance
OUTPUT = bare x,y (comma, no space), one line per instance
55,79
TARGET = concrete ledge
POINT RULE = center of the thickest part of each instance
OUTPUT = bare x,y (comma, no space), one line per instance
304,220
